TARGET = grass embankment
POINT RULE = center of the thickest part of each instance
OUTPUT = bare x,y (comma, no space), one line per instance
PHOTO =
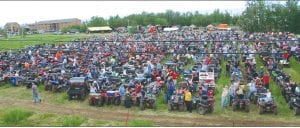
17,42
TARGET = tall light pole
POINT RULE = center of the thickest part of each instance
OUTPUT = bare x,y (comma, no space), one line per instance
128,22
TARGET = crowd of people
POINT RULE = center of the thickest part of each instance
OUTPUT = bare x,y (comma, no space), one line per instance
142,53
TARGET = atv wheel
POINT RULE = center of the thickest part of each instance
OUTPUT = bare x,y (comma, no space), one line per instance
275,111
210,110
290,105
154,106
234,107
98,102
117,102
201,110
170,108
142,106
261,110
247,109
91,102
181,107
296,111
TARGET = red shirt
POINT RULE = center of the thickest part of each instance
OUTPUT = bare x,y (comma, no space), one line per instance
174,75
208,60
285,55
266,79
138,88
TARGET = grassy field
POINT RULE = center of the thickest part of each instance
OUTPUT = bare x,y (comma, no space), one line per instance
25,117
17,42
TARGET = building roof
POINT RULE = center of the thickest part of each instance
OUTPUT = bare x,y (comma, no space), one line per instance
58,21
11,23
104,28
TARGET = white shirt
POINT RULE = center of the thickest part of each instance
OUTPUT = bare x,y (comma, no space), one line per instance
65,61
268,94
93,89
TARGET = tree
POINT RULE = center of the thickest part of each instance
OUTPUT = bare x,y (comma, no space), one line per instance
97,21
3,32
261,16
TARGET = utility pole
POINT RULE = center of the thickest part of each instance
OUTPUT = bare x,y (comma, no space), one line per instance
22,32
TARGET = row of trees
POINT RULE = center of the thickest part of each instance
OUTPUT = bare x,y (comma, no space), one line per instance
168,18
263,16
259,16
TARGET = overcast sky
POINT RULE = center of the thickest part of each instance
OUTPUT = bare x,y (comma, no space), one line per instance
31,11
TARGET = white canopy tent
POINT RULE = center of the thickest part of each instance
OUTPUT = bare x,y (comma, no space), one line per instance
170,29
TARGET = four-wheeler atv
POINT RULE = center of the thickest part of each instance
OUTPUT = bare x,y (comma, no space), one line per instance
241,104
95,99
149,101
267,105
294,102
78,88
203,104
176,102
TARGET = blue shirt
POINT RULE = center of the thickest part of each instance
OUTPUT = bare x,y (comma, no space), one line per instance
122,91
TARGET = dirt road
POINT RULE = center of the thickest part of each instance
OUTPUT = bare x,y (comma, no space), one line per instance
158,119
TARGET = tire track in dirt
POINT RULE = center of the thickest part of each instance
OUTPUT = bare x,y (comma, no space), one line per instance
160,120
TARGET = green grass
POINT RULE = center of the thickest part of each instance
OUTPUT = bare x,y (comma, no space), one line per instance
72,121
15,117
294,70
140,123
18,42
222,81
283,109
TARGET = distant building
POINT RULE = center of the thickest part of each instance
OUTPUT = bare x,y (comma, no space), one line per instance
12,27
54,25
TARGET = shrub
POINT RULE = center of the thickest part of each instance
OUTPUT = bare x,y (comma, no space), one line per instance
14,117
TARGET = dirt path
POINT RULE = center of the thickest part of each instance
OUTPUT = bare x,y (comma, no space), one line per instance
160,120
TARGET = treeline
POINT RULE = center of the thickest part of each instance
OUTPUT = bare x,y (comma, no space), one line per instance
167,18
264,16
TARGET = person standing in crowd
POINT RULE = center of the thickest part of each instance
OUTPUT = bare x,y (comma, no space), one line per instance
174,76
266,80
122,93
285,56
227,69
188,100
224,97
127,98
35,94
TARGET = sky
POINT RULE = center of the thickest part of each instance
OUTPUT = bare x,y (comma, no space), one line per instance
26,12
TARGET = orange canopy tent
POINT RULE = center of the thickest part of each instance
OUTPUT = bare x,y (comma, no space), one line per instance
223,26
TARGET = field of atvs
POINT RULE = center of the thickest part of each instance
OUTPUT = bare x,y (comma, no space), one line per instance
178,78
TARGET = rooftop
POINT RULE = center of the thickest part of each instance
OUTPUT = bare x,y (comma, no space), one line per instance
58,21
